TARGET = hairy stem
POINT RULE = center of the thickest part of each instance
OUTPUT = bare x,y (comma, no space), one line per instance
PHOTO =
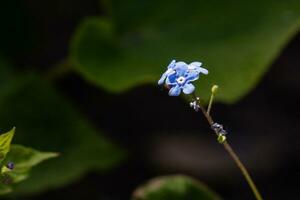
232,154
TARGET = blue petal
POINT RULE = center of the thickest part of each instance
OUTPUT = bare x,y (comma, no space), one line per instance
192,76
172,64
196,64
162,79
188,88
203,70
175,91
180,63
171,79
181,68
165,75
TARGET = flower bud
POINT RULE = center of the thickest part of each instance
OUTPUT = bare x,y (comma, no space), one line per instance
214,89
221,138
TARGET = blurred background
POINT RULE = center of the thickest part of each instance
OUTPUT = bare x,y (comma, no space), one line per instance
79,77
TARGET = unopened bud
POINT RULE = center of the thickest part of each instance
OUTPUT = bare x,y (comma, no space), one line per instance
221,138
214,89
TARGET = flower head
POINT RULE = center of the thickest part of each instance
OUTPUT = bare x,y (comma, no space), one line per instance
179,76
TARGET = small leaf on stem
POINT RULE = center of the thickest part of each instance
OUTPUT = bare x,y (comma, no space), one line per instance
5,141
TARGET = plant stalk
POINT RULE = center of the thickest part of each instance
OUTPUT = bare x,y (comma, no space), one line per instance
232,154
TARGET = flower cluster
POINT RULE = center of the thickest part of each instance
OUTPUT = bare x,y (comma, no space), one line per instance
179,76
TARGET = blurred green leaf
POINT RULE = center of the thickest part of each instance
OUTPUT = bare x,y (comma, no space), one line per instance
177,187
46,121
5,141
24,159
236,41
5,189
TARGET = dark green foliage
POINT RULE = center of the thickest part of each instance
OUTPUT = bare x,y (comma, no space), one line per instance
236,41
176,187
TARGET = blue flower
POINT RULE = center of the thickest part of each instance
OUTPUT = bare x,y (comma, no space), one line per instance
179,76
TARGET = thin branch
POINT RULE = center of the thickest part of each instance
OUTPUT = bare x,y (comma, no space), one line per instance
231,152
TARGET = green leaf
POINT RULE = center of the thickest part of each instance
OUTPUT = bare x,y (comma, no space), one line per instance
24,159
5,141
236,41
46,121
5,189
176,187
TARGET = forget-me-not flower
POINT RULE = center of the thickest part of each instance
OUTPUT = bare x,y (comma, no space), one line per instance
179,76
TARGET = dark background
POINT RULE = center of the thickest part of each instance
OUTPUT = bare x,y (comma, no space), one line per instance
161,133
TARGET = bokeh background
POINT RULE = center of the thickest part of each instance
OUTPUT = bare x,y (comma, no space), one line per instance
79,77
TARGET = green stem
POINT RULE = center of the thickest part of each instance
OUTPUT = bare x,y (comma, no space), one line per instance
232,154
243,170
210,103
